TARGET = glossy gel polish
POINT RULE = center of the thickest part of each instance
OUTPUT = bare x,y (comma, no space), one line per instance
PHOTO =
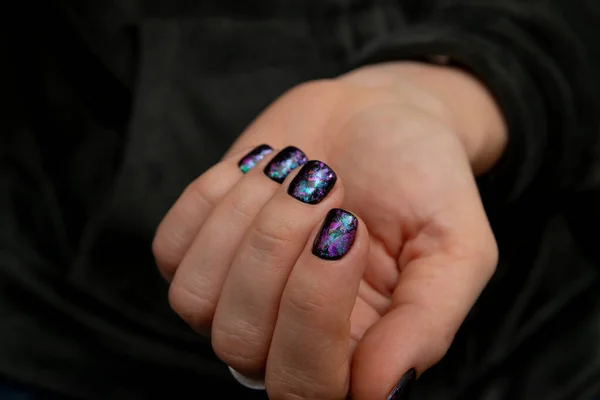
404,385
336,235
312,183
251,159
285,162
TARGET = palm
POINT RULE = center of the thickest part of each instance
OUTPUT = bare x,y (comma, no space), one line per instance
402,194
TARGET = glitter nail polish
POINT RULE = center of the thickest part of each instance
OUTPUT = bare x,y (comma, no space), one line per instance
312,183
336,236
403,387
251,159
285,162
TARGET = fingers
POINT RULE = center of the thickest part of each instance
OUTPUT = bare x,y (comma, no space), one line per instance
310,350
197,284
247,310
444,269
182,223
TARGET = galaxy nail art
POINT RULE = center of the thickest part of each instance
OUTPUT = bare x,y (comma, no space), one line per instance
250,160
404,385
312,183
336,236
285,162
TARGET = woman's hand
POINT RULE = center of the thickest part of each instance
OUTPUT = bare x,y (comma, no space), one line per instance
353,303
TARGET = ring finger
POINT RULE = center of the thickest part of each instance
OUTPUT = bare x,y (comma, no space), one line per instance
197,283
183,221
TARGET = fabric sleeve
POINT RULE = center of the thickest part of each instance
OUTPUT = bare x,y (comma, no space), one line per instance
540,60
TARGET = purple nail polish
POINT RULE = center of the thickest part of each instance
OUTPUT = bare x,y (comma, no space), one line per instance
336,236
251,159
403,387
285,162
313,182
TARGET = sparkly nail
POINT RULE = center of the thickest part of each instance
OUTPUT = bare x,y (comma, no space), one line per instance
285,162
336,236
251,159
404,385
312,183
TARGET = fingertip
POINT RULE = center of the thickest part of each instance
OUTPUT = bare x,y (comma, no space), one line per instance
342,235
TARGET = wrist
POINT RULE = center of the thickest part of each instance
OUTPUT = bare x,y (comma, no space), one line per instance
463,103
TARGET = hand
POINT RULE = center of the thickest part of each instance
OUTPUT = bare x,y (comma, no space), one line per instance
404,141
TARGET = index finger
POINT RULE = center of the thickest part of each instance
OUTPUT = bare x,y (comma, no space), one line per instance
309,357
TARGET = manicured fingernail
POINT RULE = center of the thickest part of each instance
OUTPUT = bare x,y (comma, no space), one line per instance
336,236
404,385
251,159
285,162
313,182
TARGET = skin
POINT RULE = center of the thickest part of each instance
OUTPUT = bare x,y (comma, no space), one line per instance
406,141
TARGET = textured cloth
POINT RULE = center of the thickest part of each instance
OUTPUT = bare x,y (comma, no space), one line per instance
111,108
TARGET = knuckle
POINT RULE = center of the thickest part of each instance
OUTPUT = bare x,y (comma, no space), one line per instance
487,253
278,389
305,303
292,384
441,334
166,256
243,208
437,351
493,254
441,344
241,346
436,333
175,232
481,250
200,192
269,238
314,312
195,309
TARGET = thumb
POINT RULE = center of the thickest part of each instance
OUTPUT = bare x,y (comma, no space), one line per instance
434,293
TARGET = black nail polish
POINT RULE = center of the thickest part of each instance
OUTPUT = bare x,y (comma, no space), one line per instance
285,162
336,236
404,385
251,159
313,182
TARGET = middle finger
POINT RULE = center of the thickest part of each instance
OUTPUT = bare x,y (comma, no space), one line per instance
247,310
